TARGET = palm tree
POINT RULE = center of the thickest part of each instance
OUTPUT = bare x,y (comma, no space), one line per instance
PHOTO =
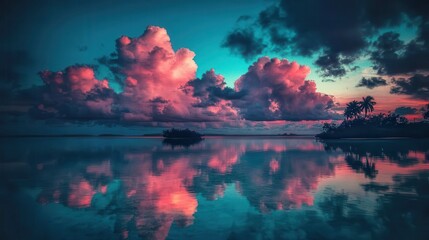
367,104
348,113
352,109
426,112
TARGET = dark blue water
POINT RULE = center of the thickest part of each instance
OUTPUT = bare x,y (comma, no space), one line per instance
220,188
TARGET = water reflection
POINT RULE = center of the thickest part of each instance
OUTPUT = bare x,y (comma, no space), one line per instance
404,152
181,142
143,188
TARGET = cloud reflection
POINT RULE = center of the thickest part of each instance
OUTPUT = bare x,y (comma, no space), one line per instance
149,188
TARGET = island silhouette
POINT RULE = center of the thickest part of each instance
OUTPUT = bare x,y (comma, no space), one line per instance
181,137
359,123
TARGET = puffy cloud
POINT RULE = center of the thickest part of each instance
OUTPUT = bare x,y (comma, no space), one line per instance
331,65
405,110
224,159
336,31
154,77
278,90
154,71
416,86
372,82
73,79
165,186
159,88
74,94
211,89
295,179
202,88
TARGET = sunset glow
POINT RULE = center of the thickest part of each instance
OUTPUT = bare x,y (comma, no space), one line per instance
154,77
214,119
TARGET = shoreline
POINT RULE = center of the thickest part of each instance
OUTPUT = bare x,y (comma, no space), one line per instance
211,137
148,136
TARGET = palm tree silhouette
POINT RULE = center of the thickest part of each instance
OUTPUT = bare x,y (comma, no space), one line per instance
426,112
352,109
367,104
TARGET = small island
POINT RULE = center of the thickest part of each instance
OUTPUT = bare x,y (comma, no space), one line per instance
181,134
181,137
289,135
390,125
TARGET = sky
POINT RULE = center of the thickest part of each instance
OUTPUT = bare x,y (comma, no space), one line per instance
244,66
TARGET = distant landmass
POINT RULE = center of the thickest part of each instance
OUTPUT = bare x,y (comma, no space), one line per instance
412,130
388,126
70,135
358,123
157,135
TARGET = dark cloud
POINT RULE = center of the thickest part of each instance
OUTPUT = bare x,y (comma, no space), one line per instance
11,67
112,63
392,56
331,65
328,80
211,89
405,110
202,88
372,82
244,18
416,86
338,32
227,93
245,43
159,100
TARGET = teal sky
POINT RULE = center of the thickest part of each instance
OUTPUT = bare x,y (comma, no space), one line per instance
53,35
57,35
60,35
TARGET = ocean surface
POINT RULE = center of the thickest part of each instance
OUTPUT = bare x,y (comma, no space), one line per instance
219,188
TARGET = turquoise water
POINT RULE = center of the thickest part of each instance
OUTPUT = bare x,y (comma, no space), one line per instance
220,188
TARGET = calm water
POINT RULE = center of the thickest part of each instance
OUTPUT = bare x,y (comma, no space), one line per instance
220,188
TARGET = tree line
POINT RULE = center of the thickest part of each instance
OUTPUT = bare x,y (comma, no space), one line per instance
358,117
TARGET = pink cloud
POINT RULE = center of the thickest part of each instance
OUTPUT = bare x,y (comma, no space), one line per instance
80,194
159,87
155,75
274,166
162,184
74,93
224,160
73,78
278,90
